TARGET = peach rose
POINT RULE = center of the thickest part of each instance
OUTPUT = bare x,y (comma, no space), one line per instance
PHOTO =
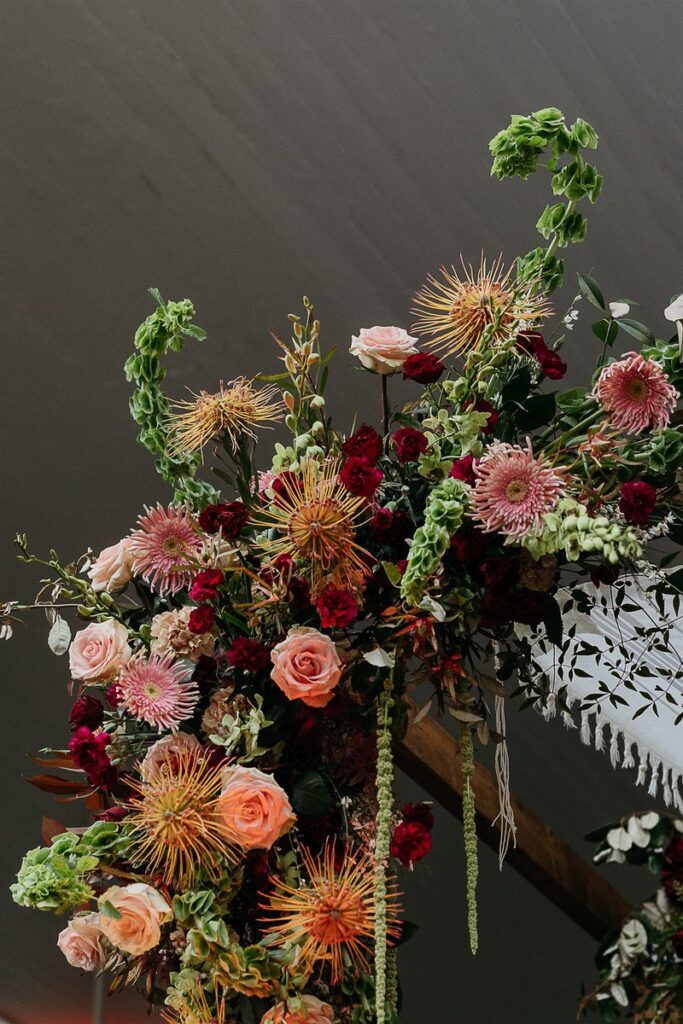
113,568
162,752
80,943
312,1011
306,666
383,349
253,810
99,652
142,911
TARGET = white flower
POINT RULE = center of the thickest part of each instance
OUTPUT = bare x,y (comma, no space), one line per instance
619,839
618,993
637,833
618,309
674,311
632,940
649,820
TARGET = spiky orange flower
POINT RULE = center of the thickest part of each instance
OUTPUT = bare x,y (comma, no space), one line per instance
173,822
455,311
315,518
332,915
234,410
193,1007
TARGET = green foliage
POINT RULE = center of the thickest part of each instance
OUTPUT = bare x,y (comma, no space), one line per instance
516,151
165,329
443,515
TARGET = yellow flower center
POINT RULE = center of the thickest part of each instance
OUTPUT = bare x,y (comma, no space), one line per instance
637,389
516,491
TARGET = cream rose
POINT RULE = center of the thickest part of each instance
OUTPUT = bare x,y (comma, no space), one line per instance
80,943
306,666
252,809
311,1011
142,911
113,568
99,652
383,349
161,753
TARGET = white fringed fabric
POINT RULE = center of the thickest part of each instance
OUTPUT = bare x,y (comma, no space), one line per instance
651,743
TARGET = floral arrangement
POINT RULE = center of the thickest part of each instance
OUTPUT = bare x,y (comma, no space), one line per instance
246,655
640,966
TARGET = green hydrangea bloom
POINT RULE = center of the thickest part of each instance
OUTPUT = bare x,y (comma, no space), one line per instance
571,529
51,878
443,515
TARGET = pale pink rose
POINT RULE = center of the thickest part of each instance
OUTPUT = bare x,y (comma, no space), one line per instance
113,568
383,349
306,666
142,911
252,809
80,943
160,755
99,652
311,1011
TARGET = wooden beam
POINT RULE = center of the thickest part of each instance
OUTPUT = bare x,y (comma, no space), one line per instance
431,757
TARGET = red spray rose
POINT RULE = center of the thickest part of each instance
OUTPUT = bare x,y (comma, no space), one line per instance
205,585
360,476
463,469
201,619
249,655
409,444
86,711
337,608
228,518
364,442
423,367
88,752
533,344
637,500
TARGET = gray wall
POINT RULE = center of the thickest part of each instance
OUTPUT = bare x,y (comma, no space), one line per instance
242,153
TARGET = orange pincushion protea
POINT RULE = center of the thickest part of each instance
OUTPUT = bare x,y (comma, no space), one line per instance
315,518
332,915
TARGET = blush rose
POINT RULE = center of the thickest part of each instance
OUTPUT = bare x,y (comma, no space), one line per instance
142,910
383,349
306,666
252,809
113,568
80,942
99,652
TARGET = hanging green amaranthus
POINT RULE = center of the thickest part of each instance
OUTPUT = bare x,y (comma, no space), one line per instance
385,779
470,831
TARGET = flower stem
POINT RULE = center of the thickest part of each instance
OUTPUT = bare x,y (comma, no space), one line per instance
385,404
470,830
385,778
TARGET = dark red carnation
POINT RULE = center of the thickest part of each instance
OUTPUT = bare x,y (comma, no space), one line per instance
390,527
284,483
637,500
205,585
359,476
463,469
421,813
533,344
364,443
337,608
409,444
86,711
481,405
88,752
469,545
410,842
113,695
249,655
423,367
201,619
499,573
228,518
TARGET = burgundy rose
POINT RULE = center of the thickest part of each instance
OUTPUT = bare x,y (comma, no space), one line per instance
463,469
227,518
86,711
205,585
248,655
337,608
423,367
201,619
637,500
533,344
409,444
88,752
481,405
410,842
552,364
364,443
359,476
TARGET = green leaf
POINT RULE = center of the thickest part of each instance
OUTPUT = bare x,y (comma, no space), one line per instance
638,331
109,910
605,330
311,795
538,410
517,388
591,291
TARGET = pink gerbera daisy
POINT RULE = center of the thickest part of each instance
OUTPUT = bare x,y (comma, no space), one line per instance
513,490
165,547
157,690
636,393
